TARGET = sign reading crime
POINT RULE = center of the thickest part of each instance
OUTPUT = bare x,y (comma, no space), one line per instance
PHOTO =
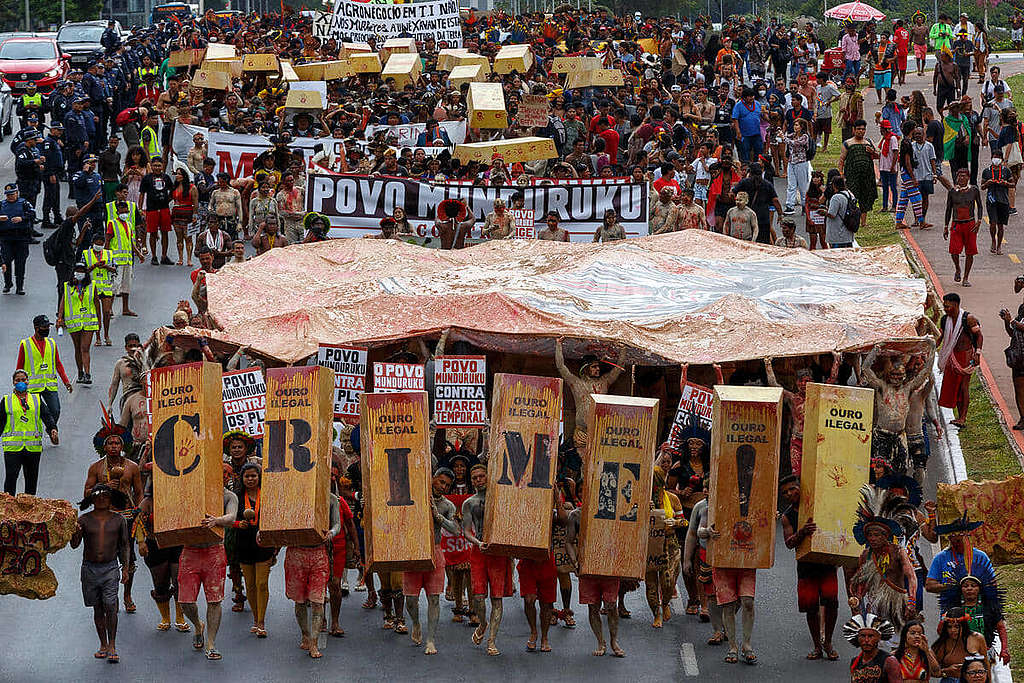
397,377
533,112
188,479
836,462
744,476
296,485
521,466
244,393
459,391
619,468
398,522
349,365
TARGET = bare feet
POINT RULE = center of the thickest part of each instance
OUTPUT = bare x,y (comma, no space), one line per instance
531,644
417,634
599,652
666,612
657,622
545,646
430,649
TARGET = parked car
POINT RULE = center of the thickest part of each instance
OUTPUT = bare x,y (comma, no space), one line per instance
81,40
31,59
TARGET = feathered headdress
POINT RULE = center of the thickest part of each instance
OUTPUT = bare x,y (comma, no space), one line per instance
452,208
867,622
901,488
960,525
108,429
869,513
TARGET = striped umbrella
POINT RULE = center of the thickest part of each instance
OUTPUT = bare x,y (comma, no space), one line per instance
854,11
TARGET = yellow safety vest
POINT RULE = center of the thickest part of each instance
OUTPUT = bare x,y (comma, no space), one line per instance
143,71
40,366
123,239
32,100
101,277
153,146
80,308
24,428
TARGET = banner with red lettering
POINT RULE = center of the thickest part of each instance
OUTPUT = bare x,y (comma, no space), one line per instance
460,391
390,378
455,546
349,365
245,401
693,416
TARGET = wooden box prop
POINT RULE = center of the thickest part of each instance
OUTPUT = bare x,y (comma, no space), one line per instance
365,62
260,62
214,80
513,58
403,67
232,67
304,99
615,521
568,65
220,51
471,58
288,72
188,475
294,504
468,73
448,57
486,105
397,522
1000,504
184,58
323,71
745,433
349,49
595,78
836,463
516,149
521,466
395,46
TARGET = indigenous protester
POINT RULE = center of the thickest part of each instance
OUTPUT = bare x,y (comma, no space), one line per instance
960,349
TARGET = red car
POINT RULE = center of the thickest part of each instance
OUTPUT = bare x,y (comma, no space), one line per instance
32,59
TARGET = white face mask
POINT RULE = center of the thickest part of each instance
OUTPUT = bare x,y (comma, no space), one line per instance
123,216
762,93
97,248
996,161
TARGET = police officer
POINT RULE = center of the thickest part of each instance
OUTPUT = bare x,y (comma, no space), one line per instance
118,91
28,168
30,127
60,101
95,83
31,101
76,146
16,218
111,39
84,186
52,148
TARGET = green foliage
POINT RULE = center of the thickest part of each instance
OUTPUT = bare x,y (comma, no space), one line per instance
46,13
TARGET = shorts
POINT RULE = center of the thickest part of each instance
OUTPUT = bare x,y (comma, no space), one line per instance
962,238
206,566
99,583
305,574
156,556
595,590
822,126
430,581
998,213
338,555
704,572
122,281
817,591
539,578
700,192
390,582
927,187
158,220
490,574
921,51
883,81
733,584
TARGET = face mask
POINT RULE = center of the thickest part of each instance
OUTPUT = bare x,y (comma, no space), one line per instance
97,248
996,161
79,277
123,216
20,387
43,332
762,93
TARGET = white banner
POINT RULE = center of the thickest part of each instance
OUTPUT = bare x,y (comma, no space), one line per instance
459,391
360,21
349,365
390,378
245,401
407,133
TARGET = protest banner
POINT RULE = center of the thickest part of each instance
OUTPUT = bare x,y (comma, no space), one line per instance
355,204
397,377
533,112
460,398
693,416
523,224
245,401
999,504
422,20
349,365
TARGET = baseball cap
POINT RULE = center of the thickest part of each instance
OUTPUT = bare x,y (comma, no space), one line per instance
40,321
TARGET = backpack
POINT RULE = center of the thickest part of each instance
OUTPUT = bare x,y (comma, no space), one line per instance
851,218
50,249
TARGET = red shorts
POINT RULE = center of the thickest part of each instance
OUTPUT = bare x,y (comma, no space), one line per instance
594,590
539,578
492,572
733,584
338,550
430,581
963,238
158,219
818,591
206,566
305,574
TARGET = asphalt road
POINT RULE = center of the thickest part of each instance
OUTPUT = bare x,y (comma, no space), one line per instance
54,639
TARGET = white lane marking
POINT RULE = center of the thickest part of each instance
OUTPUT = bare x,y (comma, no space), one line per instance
689,659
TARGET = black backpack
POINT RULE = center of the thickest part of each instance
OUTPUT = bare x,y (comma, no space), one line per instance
851,218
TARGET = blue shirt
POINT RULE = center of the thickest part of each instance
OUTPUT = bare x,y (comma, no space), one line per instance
945,561
749,121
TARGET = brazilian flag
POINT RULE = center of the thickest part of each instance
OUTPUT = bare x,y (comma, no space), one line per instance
955,126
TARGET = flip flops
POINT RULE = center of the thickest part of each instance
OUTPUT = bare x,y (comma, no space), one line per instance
213,655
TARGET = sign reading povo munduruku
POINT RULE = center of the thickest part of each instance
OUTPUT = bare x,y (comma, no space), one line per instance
349,365
693,415
744,476
521,466
460,384
188,479
362,21
244,393
397,377
615,520
836,462
395,460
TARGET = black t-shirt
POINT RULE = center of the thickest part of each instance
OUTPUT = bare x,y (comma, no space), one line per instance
935,132
760,196
157,191
723,120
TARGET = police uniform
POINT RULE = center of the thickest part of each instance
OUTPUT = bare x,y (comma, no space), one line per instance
84,186
15,237
60,102
28,169
52,148
76,140
30,128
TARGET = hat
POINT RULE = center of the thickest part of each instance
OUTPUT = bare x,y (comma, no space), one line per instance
869,514
901,482
307,220
10,188
90,158
40,320
56,125
867,622
118,500
81,98
960,525
787,220
250,443
886,125
111,429
452,208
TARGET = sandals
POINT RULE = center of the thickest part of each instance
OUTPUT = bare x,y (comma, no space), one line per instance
569,622
113,658
129,606
749,658
716,639
163,626
531,645
182,627
400,627
100,654
371,601
816,654
731,658
261,632
831,654
693,610
213,655
198,641
337,633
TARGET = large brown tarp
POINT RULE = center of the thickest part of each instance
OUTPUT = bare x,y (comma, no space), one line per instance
691,296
